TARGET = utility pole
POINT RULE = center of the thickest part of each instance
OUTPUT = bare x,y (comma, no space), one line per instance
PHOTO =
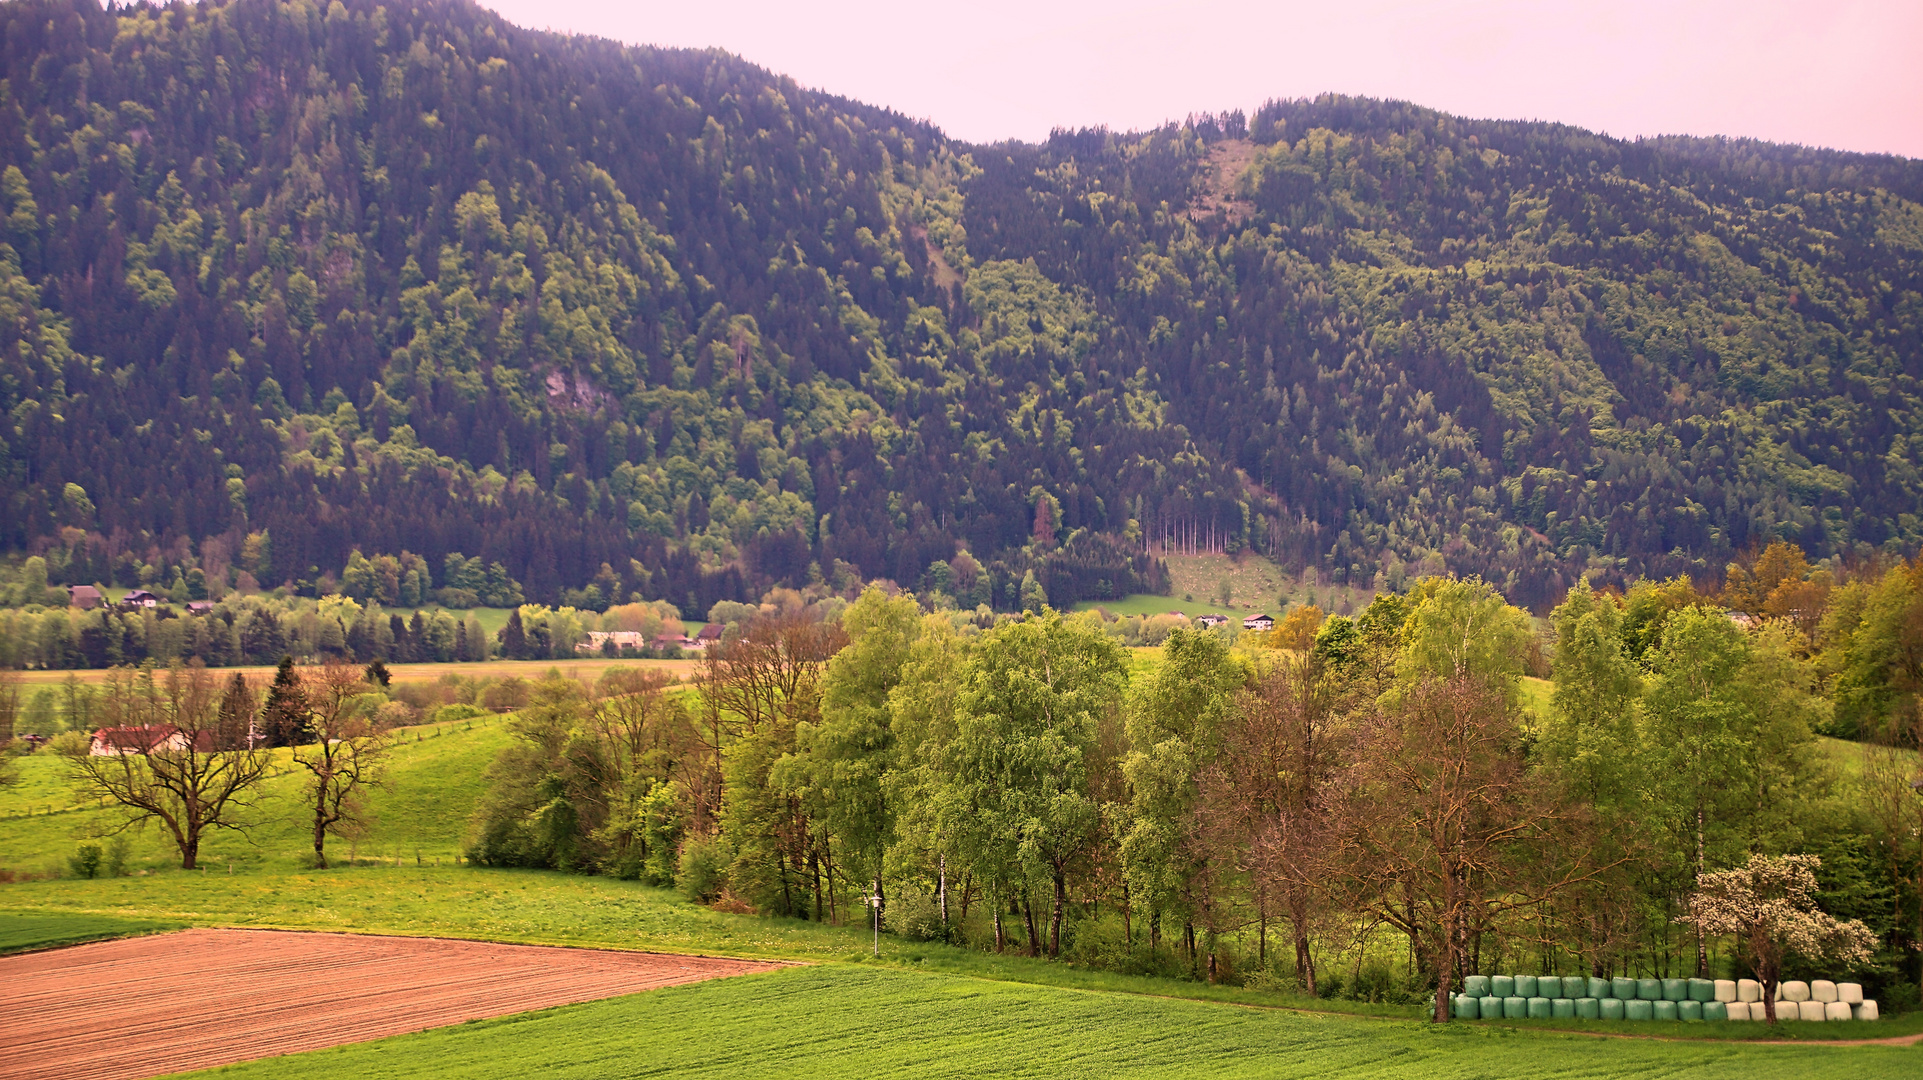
874,902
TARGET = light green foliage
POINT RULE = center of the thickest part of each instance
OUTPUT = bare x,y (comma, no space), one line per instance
1463,627
1590,729
1014,780
1174,726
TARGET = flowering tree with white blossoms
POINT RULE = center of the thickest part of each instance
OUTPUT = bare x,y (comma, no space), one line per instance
1770,908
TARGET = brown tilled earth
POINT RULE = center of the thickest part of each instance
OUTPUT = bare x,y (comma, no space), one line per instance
142,1007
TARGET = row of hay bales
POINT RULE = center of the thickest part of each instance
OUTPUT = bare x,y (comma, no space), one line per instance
1544,997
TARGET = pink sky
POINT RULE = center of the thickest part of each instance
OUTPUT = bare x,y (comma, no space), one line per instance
1845,74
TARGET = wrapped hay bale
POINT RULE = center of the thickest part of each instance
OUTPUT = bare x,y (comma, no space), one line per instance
1622,988
1702,990
1649,989
1849,993
1515,1008
1565,1008
1526,986
1575,986
1725,990
1809,1010
1675,989
1502,986
1639,1009
1836,1010
1785,1011
1749,990
1865,1011
1540,1008
1822,990
1459,1006
1611,1008
1689,1010
1597,988
1738,1010
1715,1011
1663,1010
1589,1008
1793,990
1476,986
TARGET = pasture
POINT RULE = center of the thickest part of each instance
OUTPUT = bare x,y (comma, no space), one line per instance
586,667
848,1021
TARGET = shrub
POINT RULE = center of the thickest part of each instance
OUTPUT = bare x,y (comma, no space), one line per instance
85,861
118,851
704,868
450,713
916,917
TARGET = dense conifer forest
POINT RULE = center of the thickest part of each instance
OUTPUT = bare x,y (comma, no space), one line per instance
286,282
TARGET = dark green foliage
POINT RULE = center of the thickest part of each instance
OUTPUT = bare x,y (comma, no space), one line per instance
284,284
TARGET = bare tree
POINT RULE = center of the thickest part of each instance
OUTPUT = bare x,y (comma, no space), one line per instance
347,753
9,716
1445,828
1770,907
177,750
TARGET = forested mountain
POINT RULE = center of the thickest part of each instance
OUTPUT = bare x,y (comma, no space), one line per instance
283,281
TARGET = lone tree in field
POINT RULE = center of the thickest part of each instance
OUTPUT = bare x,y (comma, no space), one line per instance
346,755
178,750
1770,908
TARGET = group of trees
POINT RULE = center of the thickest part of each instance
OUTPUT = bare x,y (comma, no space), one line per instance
283,282
190,751
1364,788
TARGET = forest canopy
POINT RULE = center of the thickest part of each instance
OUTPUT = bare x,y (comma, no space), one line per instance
287,282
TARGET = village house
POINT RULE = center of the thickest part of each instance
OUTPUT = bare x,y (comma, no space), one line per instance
1258,622
710,635
140,598
599,640
1212,620
200,607
85,597
154,738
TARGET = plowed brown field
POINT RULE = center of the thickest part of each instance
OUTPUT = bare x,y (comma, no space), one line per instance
142,1007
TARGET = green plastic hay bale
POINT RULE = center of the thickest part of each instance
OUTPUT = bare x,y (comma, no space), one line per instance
1476,986
1664,1010
1715,1012
1622,988
1599,988
1675,989
1638,1009
1611,1008
1588,1008
1541,1008
1702,990
1502,986
1649,989
1526,986
1515,1008
1562,1008
1690,1010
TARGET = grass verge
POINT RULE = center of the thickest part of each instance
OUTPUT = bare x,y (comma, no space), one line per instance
30,932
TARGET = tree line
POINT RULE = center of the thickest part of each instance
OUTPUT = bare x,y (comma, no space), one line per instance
1362,794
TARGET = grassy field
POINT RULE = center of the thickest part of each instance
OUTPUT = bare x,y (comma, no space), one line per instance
1255,584
845,1021
587,667
434,778
24,933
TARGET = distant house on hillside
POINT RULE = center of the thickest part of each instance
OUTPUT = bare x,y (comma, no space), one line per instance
1258,622
598,641
200,607
140,598
1743,619
85,597
1212,620
672,641
710,635
154,738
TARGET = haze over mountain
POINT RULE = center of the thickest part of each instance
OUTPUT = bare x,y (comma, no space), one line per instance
282,281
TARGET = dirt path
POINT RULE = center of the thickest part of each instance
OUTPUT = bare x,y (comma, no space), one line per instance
141,1007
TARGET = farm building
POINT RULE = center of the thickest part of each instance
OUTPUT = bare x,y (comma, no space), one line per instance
153,738
1212,620
1258,622
85,597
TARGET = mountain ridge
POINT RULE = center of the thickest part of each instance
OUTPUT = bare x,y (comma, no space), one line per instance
666,321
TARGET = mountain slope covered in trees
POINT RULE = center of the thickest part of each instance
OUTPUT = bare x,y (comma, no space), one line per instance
283,281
